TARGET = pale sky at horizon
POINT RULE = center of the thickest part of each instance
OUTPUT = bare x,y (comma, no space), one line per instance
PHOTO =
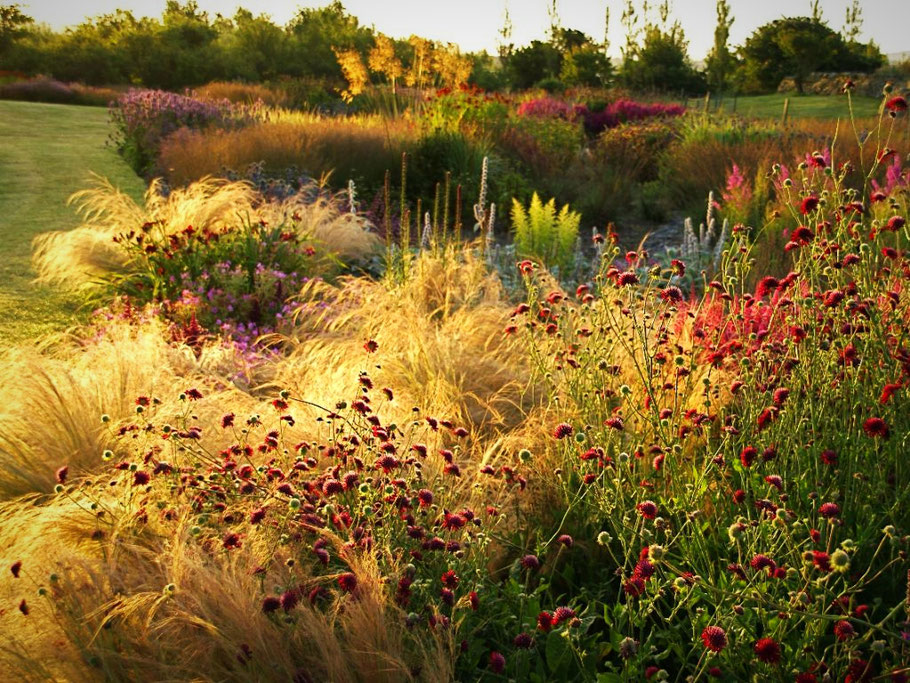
474,24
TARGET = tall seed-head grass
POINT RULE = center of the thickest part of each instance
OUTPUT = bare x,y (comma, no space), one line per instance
80,257
360,149
53,400
440,334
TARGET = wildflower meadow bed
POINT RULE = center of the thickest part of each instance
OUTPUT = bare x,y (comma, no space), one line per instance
300,443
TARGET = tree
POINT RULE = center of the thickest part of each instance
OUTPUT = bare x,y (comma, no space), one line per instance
720,61
383,59
853,22
13,25
532,63
587,65
318,32
661,62
798,46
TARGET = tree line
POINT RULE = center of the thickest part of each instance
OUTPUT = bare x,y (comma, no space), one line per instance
186,47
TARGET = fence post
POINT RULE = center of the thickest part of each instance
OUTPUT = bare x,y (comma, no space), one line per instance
707,101
783,118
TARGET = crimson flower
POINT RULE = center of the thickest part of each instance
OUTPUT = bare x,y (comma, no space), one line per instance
714,638
767,650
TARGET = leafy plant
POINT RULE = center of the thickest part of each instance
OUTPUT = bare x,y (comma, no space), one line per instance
542,233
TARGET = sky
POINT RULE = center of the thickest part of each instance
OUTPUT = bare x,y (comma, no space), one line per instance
475,24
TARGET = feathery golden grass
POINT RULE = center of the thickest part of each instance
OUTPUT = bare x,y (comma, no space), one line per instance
361,149
79,257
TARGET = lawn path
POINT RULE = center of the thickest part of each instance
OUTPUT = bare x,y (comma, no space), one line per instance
47,152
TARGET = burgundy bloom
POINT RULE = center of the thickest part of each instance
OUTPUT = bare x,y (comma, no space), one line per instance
767,650
347,582
766,286
289,600
450,579
231,541
829,510
895,223
802,235
227,421
562,430
270,604
844,630
672,294
497,662
562,615
530,562
16,568
545,621
748,456
23,607
425,497
257,515
714,638
566,540
647,509
896,104
62,474
627,278
760,562
808,205
828,457
821,560
876,427
523,641
370,346
140,478
888,391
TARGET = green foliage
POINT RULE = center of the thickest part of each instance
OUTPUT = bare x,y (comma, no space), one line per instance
661,62
587,66
527,65
12,25
543,234
797,46
720,62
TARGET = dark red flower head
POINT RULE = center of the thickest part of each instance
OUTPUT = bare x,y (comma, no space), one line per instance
562,430
714,638
767,650
347,582
896,104
844,630
876,427
808,205
647,509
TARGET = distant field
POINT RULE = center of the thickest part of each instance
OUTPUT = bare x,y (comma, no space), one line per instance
47,152
801,106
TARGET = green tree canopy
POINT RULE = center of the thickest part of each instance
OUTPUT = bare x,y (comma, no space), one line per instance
661,62
798,46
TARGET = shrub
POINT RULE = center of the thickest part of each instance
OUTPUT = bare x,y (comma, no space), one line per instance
41,89
627,111
543,234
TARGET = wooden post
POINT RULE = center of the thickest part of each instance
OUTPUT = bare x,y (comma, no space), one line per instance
707,101
783,118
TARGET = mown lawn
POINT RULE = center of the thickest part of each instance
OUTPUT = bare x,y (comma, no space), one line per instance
47,152
801,106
